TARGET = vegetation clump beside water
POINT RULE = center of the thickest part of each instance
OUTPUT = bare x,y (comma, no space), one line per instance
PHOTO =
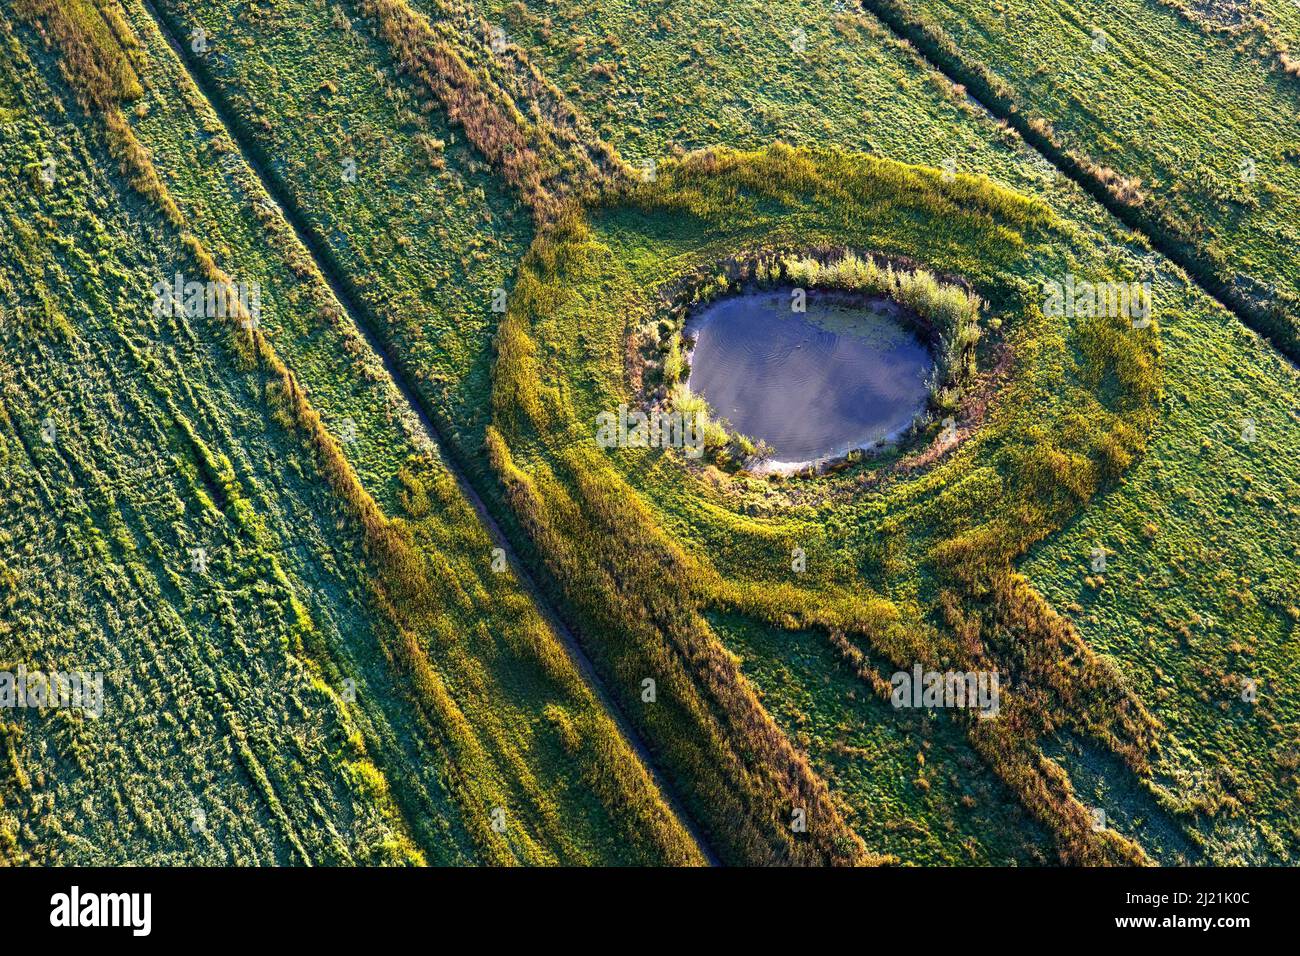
949,314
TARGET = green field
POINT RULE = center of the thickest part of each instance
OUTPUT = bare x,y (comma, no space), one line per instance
363,586
461,698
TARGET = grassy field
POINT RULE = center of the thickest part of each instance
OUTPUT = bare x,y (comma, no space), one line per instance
1184,120
223,737
476,226
734,540
423,234
468,699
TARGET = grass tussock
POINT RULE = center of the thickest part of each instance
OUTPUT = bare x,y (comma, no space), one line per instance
96,47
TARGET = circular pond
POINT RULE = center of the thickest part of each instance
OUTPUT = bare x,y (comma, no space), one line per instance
843,374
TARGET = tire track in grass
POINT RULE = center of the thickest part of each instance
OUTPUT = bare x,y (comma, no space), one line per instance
252,155
1280,331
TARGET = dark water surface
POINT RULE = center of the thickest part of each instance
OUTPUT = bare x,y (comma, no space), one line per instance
839,376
